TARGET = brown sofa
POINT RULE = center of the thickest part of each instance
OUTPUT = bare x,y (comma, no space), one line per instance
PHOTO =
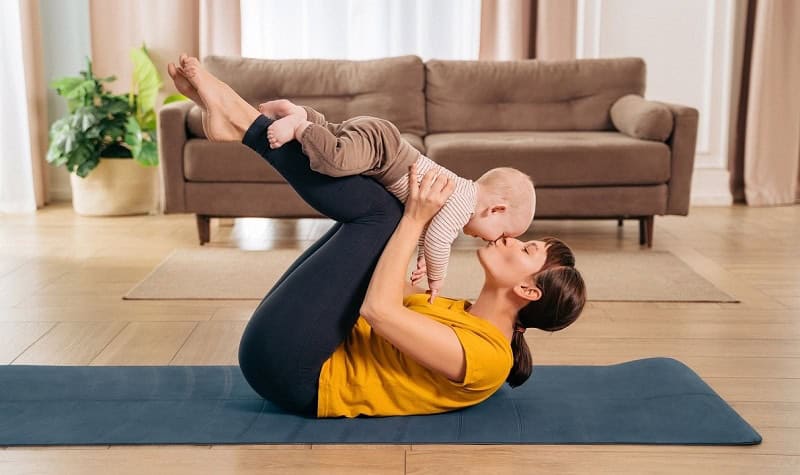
581,129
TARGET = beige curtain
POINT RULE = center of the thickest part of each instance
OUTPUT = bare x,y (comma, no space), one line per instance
168,28
765,158
525,29
32,55
506,31
556,29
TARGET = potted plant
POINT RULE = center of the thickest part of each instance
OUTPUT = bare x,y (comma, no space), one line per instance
108,141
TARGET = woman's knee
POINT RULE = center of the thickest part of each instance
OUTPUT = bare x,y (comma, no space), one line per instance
385,209
289,387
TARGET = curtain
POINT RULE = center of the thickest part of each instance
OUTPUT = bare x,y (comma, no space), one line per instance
556,29
508,29
526,29
20,154
360,29
765,156
196,27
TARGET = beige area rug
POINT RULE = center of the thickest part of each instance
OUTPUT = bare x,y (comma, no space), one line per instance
232,274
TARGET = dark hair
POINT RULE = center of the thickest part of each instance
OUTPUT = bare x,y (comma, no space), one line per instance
563,297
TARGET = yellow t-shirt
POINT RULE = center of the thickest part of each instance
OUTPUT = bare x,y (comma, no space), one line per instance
367,375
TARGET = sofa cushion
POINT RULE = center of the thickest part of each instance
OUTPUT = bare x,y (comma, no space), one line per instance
555,158
225,161
466,96
390,88
642,119
205,161
194,122
416,141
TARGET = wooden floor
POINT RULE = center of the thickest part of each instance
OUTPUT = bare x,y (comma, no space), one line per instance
62,277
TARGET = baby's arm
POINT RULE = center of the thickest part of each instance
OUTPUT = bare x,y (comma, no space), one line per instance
439,237
420,270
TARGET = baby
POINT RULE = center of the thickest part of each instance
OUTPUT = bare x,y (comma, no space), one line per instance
501,203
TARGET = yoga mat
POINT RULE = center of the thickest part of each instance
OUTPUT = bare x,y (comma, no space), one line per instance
648,401
208,274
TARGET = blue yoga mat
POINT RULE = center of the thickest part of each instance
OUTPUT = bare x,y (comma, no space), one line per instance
648,401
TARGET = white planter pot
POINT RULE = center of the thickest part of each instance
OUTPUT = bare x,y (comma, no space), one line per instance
116,187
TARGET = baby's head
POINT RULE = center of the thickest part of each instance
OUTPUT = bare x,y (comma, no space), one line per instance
505,207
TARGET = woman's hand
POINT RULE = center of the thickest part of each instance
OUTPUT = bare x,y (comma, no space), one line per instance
426,198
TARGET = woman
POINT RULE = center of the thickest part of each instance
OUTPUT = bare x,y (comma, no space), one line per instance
341,333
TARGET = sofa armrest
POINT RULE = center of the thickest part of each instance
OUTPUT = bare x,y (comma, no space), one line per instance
172,136
682,143
635,116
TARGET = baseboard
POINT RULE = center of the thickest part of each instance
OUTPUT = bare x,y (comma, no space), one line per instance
60,194
710,187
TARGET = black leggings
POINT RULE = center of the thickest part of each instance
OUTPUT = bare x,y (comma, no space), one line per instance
314,305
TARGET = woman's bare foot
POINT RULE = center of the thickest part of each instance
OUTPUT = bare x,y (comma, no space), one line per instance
185,87
228,115
282,130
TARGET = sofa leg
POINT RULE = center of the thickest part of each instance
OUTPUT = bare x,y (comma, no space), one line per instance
646,230
204,228
619,222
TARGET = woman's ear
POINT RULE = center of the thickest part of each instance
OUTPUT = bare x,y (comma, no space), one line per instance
528,291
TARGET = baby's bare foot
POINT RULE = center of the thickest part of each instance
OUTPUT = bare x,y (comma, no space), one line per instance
282,130
279,108
228,115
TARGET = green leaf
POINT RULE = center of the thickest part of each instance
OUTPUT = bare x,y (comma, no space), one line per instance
82,161
148,156
133,136
85,118
146,80
115,105
85,167
77,91
175,98
149,121
115,132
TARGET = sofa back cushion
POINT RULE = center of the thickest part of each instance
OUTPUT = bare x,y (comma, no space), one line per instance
390,88
466,96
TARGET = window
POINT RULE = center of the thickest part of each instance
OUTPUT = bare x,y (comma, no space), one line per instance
360,29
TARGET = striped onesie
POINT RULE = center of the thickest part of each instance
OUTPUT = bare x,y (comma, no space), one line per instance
373,147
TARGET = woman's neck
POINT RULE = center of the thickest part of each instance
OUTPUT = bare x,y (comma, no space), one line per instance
495,306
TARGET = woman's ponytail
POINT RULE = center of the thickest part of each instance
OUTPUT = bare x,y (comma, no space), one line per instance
522,368
563,298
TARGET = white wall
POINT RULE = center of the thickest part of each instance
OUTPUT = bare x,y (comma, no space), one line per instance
66,43
688,46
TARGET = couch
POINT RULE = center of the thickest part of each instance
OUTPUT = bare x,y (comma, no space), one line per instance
582,129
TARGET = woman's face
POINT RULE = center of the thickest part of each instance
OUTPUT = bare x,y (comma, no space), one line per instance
507,261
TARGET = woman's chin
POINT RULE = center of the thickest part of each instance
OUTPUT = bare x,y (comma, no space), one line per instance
481,252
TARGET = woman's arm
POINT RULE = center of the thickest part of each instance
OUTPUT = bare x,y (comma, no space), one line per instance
410,289
432,344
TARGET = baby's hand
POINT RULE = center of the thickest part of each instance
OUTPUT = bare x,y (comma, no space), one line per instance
419,272
435,286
